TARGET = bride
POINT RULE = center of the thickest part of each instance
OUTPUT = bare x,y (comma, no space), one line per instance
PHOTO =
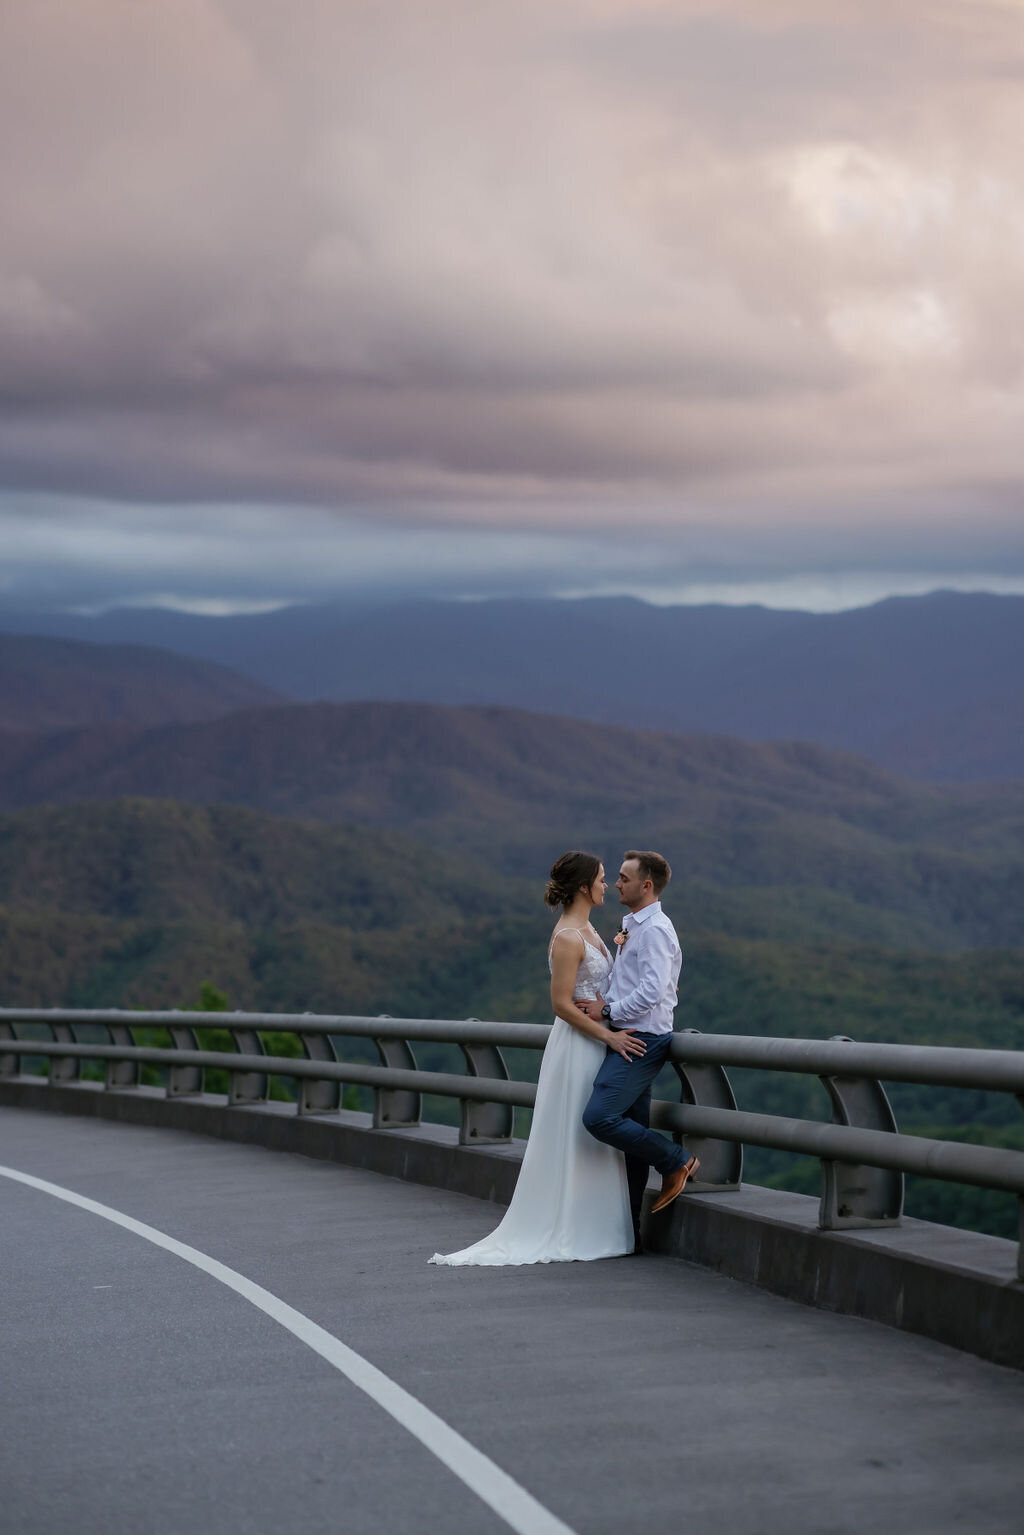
571,1199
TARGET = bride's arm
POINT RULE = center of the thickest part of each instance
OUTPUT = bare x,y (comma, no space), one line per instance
566,953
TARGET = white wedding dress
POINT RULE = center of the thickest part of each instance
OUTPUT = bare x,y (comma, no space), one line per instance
571,1199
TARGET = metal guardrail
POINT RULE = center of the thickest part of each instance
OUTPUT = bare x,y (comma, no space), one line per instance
863,1156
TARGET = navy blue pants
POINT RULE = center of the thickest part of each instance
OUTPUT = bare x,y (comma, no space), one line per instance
619,1113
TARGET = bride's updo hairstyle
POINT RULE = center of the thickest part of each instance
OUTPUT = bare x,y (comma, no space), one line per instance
571,873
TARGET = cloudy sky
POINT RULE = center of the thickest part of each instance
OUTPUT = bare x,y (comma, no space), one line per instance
697,300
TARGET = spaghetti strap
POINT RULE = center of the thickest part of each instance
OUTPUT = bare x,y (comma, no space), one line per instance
557,934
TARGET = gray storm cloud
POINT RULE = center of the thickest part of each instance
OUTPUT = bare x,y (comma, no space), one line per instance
523,266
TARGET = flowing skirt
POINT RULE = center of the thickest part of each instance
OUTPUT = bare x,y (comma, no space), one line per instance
571,1199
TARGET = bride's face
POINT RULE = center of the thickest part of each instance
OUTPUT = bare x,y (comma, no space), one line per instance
598,888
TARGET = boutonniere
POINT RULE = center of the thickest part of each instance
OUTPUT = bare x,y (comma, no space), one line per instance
621,936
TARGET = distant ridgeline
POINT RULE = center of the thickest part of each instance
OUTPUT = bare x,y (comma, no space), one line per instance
929,686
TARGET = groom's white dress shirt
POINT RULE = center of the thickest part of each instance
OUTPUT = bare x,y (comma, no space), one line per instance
642,988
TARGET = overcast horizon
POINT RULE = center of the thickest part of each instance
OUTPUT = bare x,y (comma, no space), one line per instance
674,299
806,599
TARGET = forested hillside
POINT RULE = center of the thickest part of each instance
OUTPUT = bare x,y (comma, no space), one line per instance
844,846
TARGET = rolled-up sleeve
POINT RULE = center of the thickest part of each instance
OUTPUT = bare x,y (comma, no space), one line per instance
657,981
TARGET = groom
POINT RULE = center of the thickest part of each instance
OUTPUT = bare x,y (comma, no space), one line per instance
641,998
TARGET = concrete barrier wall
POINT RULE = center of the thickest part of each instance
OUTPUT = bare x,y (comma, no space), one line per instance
955,1286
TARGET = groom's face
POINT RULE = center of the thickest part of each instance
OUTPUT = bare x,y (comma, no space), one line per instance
632,889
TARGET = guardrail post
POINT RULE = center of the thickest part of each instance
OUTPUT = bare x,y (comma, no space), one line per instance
707,1086
184,1081
482,1122
67,1068
396,1108
122,1073
855,1196
9,1060
318,1096
247,1086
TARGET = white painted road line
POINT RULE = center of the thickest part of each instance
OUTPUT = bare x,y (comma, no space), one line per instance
492,1485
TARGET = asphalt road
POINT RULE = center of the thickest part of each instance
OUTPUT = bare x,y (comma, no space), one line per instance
140,1395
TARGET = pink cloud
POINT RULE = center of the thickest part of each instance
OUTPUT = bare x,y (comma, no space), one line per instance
516,264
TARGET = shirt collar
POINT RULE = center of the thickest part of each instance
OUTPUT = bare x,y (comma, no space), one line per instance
642,914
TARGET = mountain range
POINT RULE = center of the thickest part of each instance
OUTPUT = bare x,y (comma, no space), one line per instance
842,844
171,820
931,687
50,684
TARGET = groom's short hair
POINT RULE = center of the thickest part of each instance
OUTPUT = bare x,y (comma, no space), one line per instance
653,867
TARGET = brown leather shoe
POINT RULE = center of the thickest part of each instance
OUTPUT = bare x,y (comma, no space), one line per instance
673,1184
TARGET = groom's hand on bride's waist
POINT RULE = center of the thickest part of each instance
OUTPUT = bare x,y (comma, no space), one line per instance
621,1038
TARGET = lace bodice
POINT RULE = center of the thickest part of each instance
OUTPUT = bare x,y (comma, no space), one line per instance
592,976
